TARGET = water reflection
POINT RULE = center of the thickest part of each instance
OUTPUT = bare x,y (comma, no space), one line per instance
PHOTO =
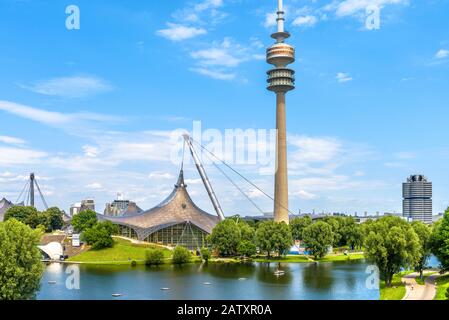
318,276
224,281
230,270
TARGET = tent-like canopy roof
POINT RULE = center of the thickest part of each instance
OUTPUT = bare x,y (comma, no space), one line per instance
177,208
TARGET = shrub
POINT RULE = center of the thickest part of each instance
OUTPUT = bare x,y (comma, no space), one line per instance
154,257
205,254
133,263
181,255
100,235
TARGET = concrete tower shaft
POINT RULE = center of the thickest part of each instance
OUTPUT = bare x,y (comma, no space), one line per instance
281,80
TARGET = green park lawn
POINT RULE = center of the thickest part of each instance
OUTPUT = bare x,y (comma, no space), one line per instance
397,290
305,259
442,285
123,252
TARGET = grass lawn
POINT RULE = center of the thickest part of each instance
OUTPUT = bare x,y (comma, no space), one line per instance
123,252
397,290
305,259
442,285
342,257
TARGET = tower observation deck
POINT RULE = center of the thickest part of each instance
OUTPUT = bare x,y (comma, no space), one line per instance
281,80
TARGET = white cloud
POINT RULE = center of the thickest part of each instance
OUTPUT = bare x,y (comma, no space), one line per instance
18,156
90,151
70,87
94,186
255,194
214,74
220,58
225,54
343,77
304,195
442,54
12,140
208,4
178,32
305,21
52,117
160,175
314,149
193,181
270,19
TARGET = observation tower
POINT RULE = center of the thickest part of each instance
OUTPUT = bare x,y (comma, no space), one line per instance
281,80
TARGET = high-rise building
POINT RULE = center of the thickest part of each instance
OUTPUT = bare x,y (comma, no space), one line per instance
280,81
121,207
87,204
417,198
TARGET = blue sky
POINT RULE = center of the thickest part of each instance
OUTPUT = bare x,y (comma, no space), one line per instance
91,111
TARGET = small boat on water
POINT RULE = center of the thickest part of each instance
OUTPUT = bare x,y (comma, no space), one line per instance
242,279
279,273
115,295
165,289
207,283
51,282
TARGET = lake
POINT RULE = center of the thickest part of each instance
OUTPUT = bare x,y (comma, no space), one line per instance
301,281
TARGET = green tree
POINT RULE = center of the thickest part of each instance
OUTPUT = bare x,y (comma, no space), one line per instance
181,255
336,224
273,237
227,235
20,213
246,248
20,261
100,235
54,216
440,241
297,226
36,218
424,234
154,257
351,233
391,244
205,254
84,220
318,237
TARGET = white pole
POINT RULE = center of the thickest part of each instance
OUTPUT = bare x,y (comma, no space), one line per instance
204,177
280,19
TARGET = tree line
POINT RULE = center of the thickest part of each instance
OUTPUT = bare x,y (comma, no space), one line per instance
390,242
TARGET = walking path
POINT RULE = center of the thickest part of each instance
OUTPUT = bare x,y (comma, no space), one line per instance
419,292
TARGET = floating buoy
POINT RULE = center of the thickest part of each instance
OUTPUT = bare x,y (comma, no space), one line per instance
242,279
207,283
117,294
165,289
51,282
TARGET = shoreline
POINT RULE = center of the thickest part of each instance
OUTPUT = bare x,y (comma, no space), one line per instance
288,259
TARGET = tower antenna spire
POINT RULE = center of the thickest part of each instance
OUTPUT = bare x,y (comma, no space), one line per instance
280,19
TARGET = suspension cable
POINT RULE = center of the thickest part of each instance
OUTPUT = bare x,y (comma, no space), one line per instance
239,189
242,176
21,192
42,196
